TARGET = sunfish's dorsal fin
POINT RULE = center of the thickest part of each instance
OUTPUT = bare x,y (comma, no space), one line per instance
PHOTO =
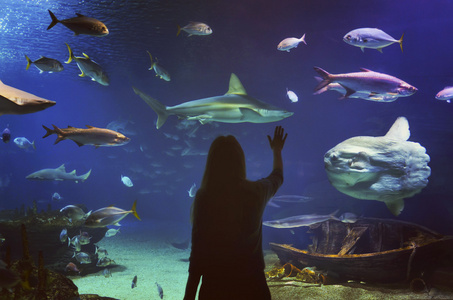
236,86
399,130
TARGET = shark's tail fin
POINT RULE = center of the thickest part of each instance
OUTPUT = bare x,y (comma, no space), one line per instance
48,131
85,177
159,108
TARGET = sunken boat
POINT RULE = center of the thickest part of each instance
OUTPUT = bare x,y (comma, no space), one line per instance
371,250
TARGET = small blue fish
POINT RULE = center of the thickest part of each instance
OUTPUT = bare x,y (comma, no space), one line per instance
6,135
64,235
56,197
127,181
160,291
24,143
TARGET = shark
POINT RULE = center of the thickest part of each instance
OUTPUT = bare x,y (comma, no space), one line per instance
58,174
17,102
236,106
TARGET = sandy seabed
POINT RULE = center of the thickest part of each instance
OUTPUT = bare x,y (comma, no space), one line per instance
144,249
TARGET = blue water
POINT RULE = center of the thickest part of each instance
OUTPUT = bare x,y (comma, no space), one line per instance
244,41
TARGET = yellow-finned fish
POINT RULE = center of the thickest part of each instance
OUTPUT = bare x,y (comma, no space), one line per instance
81,25
89,67
88,136
109,216
45,64
160,72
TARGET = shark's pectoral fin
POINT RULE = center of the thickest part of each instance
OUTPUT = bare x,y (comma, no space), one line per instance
395,206
249,114
203,119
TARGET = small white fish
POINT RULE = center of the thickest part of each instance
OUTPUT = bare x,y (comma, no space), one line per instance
56,197
111,232
127,181
195,28
290,43
192,191
446,94
292,96
24,143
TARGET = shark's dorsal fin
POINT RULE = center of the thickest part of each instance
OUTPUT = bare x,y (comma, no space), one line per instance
399,130
73,172
236,86
89,126
365,70
62,168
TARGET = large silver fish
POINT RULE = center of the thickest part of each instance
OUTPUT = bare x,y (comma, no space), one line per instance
386,168
109,216
17,102
88,136
81,25
58,174
371,38
89,68
299,221
369,81
233,107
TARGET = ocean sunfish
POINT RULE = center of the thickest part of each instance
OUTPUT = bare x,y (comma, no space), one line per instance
386,168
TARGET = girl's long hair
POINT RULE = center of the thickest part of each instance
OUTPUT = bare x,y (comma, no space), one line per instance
225,164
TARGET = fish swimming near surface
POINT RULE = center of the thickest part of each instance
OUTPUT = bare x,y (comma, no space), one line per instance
81,25
291,96
233,107
45,64
160,72
24,143
6,135
290,43
385,168
367,80
88,68
446,94
195,28
127,181
109,216
58,174
17,102
299,221
366,95
98,137
372,38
